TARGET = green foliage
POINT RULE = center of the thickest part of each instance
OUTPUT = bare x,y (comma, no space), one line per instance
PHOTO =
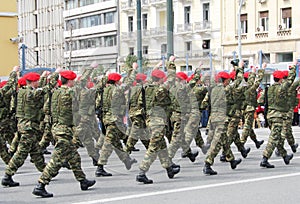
130,59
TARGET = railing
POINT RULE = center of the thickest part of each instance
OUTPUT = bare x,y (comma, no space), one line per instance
184,28
128,35
284,32
264,34
201,26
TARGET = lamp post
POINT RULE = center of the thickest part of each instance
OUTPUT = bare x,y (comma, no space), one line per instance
170,26
239,30
139,36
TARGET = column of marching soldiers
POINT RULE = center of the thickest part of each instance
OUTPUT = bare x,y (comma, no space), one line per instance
163,113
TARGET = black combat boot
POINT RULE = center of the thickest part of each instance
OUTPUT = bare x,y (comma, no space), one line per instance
172,171
128,162
190,155
288,158
8,181
175,165
85,184
208,170
294,147
40,190
244,151
135,149
234,163
277,153
223,158
143,179
258,143
95,162
264,163
101,172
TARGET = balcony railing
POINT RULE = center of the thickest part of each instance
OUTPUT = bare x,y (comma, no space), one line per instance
284,32
128,5
202,26
184,28
158,31
128,35
263,34
193,54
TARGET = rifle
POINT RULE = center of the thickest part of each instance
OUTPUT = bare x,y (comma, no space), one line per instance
144,101
266,104
99,112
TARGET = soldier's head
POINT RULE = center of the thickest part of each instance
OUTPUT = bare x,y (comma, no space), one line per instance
223,77
32,79
181,77
114,78
232,75
22,82
68,77
140,78
278,76
246,76
285,74
158,76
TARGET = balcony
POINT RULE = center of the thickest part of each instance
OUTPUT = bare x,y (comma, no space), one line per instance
243,36
128,6
158,3
184,29
261,35
145,5
284,32
158,32
203,26
195,54
128,36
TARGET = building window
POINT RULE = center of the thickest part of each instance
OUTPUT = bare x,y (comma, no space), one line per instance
187,15
145,21
110,41
263,21
131,51
206,44
188,46
286,18
244,23
90,21
72,24
206,12
163,48
183,68
285,57
109,17
130,23
145,50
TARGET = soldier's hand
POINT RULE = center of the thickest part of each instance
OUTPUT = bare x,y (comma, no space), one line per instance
253,69
158,65
94,64
172,58
58,69
264,65
241,63
295,62
135,66
16,68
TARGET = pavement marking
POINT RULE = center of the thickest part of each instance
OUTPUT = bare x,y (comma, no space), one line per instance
105,200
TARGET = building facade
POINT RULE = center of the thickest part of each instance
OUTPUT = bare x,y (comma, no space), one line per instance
270,26
41,26
91,33
196,32
9,36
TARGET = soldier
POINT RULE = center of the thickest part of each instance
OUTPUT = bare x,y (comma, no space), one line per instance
250,105
29,111
157,105
65,148
137,116
219,116
6,93
181,111
277,99
114,107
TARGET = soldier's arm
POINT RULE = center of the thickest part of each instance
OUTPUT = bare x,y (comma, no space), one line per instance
205,102
12,81
291,77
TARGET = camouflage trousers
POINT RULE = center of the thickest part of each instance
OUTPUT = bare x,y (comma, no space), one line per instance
220,140
157,145
192,131
28,144
138,131
248,127
8,129
112,142
275,139
47,134
4,151
88,132
287,131
210,134
232,131
64,151
178,138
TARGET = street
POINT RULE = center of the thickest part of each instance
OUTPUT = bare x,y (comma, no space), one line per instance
247,184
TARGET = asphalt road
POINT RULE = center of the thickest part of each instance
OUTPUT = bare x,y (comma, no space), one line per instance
247,184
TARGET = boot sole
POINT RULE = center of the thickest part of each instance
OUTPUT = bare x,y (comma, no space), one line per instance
38,194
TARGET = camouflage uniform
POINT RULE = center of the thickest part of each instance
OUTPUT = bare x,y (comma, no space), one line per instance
6,123
29,112
277,98
114,107
250,106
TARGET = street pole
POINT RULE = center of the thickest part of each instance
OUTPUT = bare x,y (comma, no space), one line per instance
239,30
187,62
23,47
170,26
139,35
260,58
234,55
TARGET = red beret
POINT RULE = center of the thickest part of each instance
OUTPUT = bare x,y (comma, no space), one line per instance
59,83
90,85
32,76
114,77
246,75
68,74
2,83
190,78
158,74
232,75
278,74
223,75
285,73
141,77
22,81
181,75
